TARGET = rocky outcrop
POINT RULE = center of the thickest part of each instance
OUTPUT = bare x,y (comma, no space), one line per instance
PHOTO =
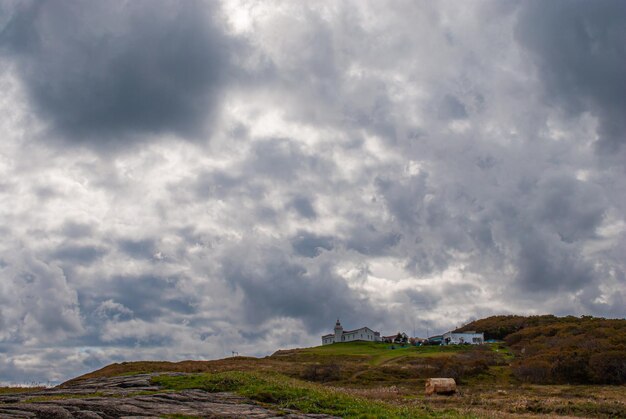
132,397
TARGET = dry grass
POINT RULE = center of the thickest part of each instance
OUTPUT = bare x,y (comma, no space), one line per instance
398,376
515,401
142,367
15,390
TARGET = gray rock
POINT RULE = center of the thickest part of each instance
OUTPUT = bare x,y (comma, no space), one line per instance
122,398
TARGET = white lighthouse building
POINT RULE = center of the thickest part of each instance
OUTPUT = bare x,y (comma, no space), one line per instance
340,335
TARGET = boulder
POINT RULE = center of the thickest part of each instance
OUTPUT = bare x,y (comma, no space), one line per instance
445,386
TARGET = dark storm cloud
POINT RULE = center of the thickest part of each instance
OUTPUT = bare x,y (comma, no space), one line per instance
270,161
147,296
78,254
611,306
303,206
368,239
538,223
275,286
579,48
404,199
426,226
311,245
452,108
385,163
545,266
109,309
571,208
104,73
47,308
429,299
138,249
75,230
423,299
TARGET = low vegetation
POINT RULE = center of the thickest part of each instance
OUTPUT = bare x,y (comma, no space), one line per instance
14,390
562,350
525,373
63,396
499,327
291,394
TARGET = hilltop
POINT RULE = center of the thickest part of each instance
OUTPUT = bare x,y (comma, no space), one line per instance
550,349
525,373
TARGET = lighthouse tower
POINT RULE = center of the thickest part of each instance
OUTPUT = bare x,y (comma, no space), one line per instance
338,331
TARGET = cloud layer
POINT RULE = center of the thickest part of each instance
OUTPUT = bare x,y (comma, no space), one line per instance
184,181
102,74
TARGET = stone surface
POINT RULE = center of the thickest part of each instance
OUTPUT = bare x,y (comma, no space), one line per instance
132,397
440,386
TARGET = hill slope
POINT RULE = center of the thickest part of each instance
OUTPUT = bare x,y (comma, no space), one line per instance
358,379
551,349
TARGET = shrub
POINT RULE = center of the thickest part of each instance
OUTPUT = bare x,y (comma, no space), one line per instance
533,370
608,367
571,350
322,372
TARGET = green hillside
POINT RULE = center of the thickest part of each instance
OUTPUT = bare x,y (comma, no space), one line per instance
373,353
527,372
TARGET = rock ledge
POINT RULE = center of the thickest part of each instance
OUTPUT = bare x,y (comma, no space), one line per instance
132,397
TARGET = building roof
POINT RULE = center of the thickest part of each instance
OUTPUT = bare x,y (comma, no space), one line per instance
360,328
352,331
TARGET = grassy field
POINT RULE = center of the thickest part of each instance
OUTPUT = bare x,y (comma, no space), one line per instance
286,394
363,379
371,352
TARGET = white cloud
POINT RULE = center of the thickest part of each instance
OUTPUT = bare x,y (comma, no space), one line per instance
361,157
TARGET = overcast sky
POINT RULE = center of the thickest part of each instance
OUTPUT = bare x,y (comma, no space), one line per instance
181,179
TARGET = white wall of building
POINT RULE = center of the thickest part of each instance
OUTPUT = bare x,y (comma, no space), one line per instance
364,333
339,335
466,337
